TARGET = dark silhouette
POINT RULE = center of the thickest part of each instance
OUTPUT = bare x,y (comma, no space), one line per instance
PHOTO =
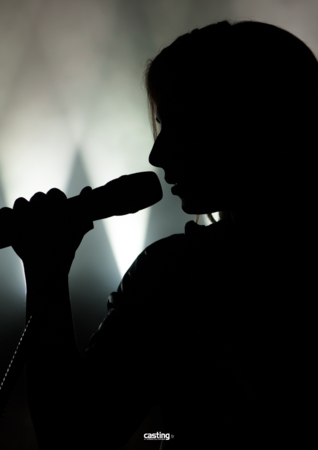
214,325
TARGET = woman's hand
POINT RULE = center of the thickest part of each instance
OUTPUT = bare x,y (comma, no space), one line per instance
45,236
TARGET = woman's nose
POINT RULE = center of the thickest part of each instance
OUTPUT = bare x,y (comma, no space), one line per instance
157,154
165,151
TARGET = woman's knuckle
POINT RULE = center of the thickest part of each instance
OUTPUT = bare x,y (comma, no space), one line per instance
85,190
38,196
55,192
20,202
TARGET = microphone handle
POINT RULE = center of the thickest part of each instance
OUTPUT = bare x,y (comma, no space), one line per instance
18,360
14,369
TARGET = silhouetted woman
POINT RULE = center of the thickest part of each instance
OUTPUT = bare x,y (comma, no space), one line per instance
214,325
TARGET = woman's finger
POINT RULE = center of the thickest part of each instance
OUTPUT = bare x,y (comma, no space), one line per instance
39,205
86,190
56,194
87,224
56,199
38,198
20,204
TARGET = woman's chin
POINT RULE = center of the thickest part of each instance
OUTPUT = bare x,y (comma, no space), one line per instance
193,206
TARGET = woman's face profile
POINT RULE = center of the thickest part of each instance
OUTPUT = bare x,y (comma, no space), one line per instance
189,150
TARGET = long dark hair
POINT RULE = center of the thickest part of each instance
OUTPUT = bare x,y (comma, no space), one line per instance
265,83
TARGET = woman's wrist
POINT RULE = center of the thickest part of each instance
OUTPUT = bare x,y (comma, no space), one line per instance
45,270
45,283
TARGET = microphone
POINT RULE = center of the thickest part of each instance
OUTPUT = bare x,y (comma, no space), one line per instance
124,195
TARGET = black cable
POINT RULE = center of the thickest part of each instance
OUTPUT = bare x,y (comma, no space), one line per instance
14,369
17,362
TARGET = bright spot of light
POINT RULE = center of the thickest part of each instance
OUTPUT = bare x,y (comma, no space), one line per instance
127,235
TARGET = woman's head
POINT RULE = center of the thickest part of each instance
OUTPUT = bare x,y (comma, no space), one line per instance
237,109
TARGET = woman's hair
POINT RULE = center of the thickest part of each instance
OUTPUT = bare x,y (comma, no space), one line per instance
262,81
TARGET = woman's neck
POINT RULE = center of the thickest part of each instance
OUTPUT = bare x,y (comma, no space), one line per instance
258,231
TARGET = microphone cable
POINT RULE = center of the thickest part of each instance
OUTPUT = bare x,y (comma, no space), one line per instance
14,369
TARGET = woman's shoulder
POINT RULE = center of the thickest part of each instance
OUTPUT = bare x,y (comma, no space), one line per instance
144,286
155,262
164,246
169,256
178,245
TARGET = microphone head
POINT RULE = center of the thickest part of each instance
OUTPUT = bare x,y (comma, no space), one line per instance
126,195
137,191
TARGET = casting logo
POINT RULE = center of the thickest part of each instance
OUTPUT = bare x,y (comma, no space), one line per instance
158,436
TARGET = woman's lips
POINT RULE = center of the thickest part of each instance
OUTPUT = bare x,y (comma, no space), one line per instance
176,189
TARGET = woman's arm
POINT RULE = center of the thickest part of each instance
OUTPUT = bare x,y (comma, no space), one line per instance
100,399
54,364
46,237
